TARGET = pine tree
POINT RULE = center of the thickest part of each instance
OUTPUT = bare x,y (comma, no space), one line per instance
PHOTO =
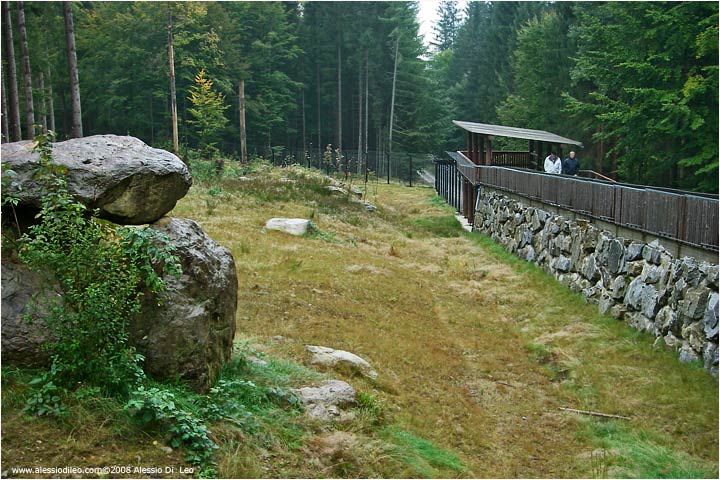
208,112
447,26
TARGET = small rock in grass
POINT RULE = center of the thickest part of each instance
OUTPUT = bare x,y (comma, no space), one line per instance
293,226
331,358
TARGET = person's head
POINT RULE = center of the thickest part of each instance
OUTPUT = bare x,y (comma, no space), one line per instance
553,154
572,154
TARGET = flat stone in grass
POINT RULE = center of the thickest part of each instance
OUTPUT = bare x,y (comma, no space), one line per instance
340,358
293,226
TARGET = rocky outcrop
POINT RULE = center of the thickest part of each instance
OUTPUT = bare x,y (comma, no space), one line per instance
186,332
190,335
128,181
674,299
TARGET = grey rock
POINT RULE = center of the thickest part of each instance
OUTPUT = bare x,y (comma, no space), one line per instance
711,274
525,236
687,354
634,294
190,336
618,287
566,242
529,253
695,302
561,264
694,334
590,239
690,270
710,358
554,226
634,268
539,217
677,291
618,311
711,317
642,323
128,181
634,251
23,294
293,226
329,357
672,341
650,301
605,304
651,273
590,269
651,254
667,320
616,257
327,401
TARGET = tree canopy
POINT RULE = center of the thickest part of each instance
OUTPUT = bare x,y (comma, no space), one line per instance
636,82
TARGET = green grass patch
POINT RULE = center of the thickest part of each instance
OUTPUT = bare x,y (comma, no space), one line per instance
445,226
628,453
422,456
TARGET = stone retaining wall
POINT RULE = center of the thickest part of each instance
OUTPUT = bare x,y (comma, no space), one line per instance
675,299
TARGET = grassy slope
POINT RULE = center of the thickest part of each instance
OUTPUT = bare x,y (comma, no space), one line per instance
449,320
476,351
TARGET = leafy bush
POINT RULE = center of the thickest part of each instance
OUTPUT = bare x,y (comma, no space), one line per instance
161,406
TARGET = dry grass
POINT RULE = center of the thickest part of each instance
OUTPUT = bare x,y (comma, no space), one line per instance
450,323
476,350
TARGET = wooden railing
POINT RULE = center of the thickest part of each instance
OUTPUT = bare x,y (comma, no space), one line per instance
686,217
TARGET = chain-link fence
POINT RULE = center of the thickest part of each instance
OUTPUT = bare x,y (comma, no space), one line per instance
398,166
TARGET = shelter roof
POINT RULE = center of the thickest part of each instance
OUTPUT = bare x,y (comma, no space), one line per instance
514,132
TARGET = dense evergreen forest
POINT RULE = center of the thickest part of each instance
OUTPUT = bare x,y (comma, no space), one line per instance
636,82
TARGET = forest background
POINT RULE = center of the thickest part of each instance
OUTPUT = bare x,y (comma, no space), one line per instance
636,82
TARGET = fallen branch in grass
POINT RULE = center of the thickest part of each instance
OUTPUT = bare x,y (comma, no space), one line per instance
594,414
504,383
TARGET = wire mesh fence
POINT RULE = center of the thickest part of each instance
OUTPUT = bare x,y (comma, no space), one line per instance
399,166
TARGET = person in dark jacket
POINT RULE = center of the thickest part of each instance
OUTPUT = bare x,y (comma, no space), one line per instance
571,164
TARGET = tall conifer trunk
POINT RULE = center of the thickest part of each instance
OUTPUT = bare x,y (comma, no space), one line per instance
367,125
15,131
77,130
339,92
173,96
27,74
243,132
319,125
392,106
43,102
360,118
5,129
50,101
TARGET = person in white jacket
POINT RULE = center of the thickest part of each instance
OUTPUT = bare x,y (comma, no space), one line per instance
553,164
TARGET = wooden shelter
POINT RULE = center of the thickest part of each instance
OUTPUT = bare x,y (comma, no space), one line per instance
480,138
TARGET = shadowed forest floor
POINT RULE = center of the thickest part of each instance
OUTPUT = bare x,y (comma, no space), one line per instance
476,351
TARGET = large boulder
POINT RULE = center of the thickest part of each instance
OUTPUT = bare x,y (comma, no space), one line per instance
128,181
190,335
185,334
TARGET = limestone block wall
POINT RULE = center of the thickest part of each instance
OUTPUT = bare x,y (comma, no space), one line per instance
674,299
